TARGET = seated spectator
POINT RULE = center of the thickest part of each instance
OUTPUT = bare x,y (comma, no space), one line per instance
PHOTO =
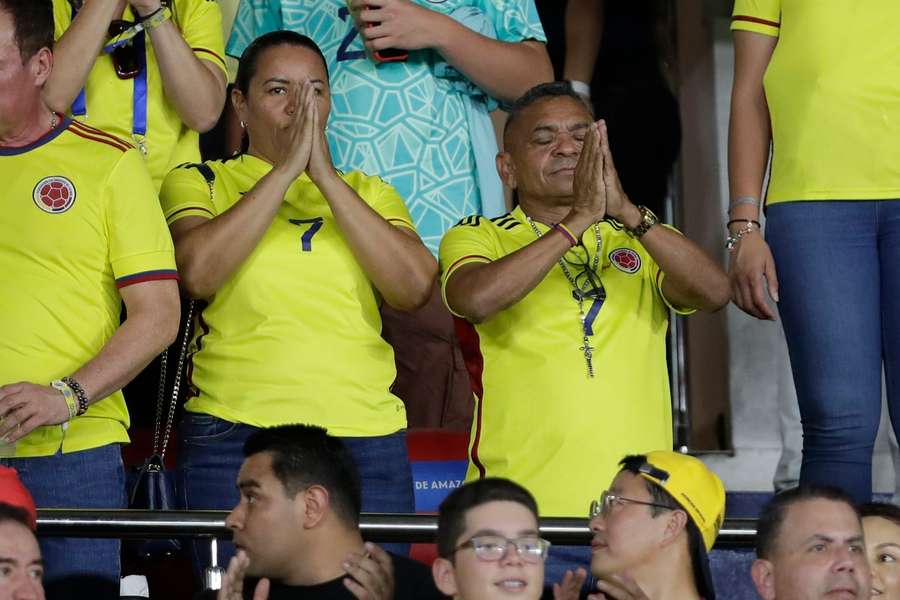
809,546
654,527
293,258
569,295
488,543
156,87
881,527
297,526
21,567
81,233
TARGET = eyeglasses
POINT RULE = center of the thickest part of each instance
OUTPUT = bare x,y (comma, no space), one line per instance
604,505
125,56
530,549
587,279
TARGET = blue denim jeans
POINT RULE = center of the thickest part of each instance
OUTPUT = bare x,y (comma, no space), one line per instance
210,454
838,266
77,568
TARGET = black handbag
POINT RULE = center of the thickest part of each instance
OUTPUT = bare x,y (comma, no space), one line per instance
154,485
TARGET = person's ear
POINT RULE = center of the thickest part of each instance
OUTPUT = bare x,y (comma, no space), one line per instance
763,574
676,522
444,574
41,63
506,169
239,101
314,503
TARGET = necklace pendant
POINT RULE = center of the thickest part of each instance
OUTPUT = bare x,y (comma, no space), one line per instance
588,351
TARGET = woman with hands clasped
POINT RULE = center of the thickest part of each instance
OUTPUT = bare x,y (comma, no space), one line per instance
292,259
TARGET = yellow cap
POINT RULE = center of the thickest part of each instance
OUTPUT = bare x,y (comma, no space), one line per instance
697,490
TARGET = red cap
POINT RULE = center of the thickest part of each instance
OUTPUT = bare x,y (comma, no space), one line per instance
12,492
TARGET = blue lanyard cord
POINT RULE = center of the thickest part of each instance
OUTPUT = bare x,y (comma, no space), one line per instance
139,96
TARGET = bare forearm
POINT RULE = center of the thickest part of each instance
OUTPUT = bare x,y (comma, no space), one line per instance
749,128
748,149
143,335
400,267
504,70
693,279
195,87
584,32
209,253
75,52
480,291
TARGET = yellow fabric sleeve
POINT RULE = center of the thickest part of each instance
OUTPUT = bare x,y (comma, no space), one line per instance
469,241
139,241
201,25
758,16
185,193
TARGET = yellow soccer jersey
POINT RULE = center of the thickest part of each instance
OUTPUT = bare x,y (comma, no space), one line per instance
72,232
833,89
539,419
294,335
109,102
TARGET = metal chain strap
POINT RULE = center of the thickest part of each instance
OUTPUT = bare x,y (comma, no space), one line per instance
176,388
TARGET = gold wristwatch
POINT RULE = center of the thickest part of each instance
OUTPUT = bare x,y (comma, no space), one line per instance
648,220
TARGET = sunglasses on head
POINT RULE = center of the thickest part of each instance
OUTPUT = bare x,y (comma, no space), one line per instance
125,57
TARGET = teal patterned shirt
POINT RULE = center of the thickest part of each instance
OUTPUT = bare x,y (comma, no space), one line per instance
405,121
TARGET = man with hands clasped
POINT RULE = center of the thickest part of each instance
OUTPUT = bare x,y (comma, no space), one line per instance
569,295
148,71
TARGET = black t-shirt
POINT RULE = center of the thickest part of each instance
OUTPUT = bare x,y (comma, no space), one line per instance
412,581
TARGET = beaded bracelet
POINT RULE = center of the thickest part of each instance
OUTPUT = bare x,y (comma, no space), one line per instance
573,241
80,394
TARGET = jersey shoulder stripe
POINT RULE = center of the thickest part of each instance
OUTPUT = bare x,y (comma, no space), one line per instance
506,221
96,135
471,221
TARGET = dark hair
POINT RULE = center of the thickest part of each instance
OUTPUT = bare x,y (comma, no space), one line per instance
768,526
696,547
305,455
250,56
551,89
14,514
452,512
33,23
891,512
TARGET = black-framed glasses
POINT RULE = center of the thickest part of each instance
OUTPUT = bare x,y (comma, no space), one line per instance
491,548
124,56
607,500
587,280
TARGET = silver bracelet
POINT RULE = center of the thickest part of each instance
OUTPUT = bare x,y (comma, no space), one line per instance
741,200
733,238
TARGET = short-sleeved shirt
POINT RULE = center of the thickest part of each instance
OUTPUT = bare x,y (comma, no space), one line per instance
294,334
72,232
110,101
833,90
539,419
396,119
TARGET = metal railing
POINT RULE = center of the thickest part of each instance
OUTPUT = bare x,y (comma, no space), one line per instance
378,527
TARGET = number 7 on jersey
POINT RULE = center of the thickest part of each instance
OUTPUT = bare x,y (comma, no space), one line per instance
306,237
